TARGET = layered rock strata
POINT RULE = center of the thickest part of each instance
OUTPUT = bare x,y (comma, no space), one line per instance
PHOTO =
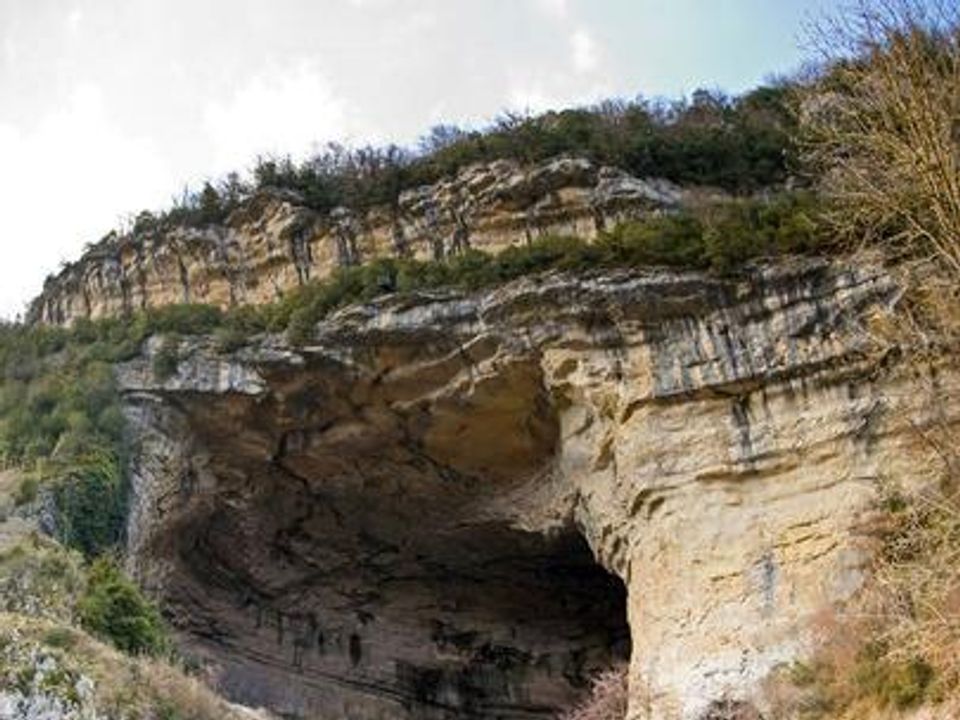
273,242
459,506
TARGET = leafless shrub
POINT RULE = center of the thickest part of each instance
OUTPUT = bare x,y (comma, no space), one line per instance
880,127
607,700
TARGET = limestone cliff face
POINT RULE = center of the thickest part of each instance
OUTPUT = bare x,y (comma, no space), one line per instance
272,243
458,506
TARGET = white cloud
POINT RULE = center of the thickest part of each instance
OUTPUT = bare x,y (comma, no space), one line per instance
60,182
370,3
554,8
10,51
73,20
283,110
532,96
584,51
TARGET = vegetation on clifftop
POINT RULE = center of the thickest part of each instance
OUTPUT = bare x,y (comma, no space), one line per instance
740,144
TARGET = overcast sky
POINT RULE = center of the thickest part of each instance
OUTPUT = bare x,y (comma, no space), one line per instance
111,106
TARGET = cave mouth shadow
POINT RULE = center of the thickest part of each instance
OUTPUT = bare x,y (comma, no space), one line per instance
470,619
533,627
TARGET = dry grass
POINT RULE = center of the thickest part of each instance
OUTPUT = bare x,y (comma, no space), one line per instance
897,647
150,687
918,582
125,686
607,700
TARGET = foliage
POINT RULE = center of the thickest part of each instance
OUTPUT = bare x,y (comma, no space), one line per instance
878,136
26,492
60,415
114,609
737,231
65,672
841,683
63,638
900,647
902,684
167,358
740,144
879,127
40,578
918,579
90,499
722,237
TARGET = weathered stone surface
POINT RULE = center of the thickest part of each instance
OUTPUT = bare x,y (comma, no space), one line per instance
272,243
400,520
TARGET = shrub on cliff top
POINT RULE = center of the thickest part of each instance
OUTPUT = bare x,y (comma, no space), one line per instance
167,358
721,237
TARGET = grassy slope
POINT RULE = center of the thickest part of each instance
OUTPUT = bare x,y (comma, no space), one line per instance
48,662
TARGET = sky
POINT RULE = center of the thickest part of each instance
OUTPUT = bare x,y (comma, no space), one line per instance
108,107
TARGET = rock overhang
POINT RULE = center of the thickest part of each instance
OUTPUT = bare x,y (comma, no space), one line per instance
691,429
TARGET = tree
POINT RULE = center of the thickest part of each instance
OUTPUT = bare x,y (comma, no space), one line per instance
210,208
880,127
440,137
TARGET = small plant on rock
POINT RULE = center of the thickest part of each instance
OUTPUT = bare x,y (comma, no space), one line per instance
607,699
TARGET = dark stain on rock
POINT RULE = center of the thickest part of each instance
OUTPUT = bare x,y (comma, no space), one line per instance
356,649
740,412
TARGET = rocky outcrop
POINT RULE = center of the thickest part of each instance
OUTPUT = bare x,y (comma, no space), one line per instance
273,242
457,506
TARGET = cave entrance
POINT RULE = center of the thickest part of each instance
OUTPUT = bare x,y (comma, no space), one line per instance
380,584
485,622
525,622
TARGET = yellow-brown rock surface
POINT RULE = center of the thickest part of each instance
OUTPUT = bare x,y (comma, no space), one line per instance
408,517
273,242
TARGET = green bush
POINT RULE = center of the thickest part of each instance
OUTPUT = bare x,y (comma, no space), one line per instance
114,609
167,358
26,491
670,240
901,684
65,409
738,231
168,711
184,319
740,144
62,638
91,499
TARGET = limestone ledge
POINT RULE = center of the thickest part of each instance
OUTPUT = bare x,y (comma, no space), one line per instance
273,242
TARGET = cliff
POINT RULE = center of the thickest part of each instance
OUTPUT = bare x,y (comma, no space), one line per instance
273,242
461,505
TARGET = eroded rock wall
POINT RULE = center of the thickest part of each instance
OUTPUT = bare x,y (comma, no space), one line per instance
273,242
404,519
